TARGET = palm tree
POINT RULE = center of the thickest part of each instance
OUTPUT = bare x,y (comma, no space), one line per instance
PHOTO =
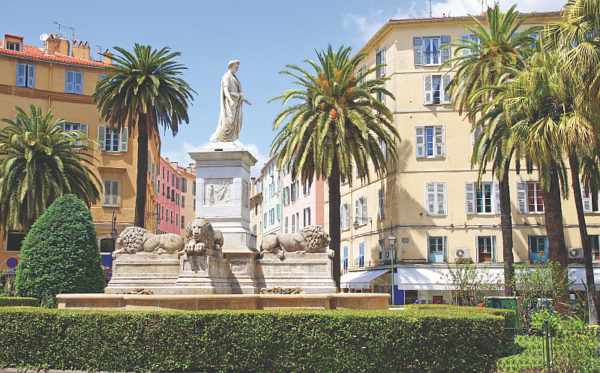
40,162
493,51
335,122
143,89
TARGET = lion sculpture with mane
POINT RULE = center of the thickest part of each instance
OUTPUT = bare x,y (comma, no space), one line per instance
135,240
311,239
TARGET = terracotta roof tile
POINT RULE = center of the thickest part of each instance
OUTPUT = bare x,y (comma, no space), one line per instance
39,54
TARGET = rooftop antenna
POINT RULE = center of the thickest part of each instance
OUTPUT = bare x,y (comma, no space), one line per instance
430,12
61,27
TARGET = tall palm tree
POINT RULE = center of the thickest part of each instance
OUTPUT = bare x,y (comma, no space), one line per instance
143,89
492,52
335,122
40,162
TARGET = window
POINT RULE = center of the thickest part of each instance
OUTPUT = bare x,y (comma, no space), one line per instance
293,223
25,75
110,194
361,71
482,200
286,196
272,216
381,210
435,89
13,45
182,221
173,180
171,216
107,245
307,216
430,141
163,191
182,201
294,191
306,189
168,191
194,188
285,225
70,126
177,199
538,248
184,185
383,148
345,216
595,244
361,255
486,248
381,249
112,140
469,39
360,211
194,204
102,76
255,208
14,240
589,198
345,258
297,221
74,82
436,246
278,212
435,198
176,218
265,220
158,186
380,60
529,197
162,213
427,50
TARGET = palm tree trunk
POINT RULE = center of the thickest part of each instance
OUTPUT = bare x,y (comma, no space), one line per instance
334,218
554,230
507,236
585,240
142,171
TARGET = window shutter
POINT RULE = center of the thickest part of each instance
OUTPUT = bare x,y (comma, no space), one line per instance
418,50
106,199
440,149
278,212
494,249
101,136
470,198
445,39
430,198
427,90
357,211
496,191
522,196
31,76
445,91
124,139
441,198
78,86
383,61
83,127
69,81
381,212
21,72
420,141
464,39
586,198
116,193
364,209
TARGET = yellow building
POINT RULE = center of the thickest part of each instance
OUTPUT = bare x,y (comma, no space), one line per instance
62,77
429,201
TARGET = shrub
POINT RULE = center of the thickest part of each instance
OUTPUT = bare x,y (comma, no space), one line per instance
60,253
18,301
357,341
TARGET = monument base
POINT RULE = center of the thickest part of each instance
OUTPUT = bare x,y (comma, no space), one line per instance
133,273
203,274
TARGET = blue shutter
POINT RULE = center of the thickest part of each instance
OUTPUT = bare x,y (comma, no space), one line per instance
78,85
418,50
464,40
445,39
30,76
21,72
69,81
278,212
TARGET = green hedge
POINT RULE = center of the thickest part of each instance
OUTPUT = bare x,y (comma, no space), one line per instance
19,301
357,341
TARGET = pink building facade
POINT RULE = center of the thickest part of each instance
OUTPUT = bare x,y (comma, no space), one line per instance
301,205
168,197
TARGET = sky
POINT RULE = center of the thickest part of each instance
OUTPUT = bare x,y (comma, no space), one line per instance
265,35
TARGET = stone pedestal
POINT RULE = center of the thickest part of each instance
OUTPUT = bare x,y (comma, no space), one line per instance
222,185
132,272
242,262
312,272
203,274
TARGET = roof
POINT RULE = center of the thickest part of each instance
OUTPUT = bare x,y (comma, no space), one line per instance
37,53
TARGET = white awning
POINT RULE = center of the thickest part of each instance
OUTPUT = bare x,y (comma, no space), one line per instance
432,278
360,279
578,275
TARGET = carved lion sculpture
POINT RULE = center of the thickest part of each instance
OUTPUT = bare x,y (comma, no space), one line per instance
200,236
311,239
136,239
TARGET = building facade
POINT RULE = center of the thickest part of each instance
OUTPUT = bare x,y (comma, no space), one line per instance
256,210
62,76
302,204
430,201
187,207
168,199
271,198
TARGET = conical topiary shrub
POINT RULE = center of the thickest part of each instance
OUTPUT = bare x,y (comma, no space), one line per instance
60,253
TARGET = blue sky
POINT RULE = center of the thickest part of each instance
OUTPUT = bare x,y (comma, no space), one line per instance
263,35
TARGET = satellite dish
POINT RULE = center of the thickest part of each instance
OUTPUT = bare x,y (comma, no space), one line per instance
44,37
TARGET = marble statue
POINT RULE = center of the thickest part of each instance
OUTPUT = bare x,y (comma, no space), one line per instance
230,118
201,237
311,239
218,194
135,240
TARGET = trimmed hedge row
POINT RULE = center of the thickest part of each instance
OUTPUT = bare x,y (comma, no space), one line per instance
19,301
358,341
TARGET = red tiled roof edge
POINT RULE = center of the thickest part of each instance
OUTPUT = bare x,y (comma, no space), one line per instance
36,53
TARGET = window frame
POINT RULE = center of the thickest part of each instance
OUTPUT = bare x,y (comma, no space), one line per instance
75,88
105,197
437,241
437,143
435,193
492,248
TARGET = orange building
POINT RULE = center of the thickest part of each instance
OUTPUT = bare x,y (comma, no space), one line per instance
62,76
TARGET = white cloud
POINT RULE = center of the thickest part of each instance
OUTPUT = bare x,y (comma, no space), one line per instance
463,7
364,25
183,157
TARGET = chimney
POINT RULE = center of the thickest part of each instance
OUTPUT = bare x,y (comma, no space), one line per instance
81,50
107,57
51,45
63,47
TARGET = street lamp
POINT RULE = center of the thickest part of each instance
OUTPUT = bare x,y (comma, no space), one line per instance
392,250
113,232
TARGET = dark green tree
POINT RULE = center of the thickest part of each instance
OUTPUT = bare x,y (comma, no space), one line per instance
144,89
60,253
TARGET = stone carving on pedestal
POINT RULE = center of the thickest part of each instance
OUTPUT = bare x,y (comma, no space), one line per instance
134,240
217,192
311,239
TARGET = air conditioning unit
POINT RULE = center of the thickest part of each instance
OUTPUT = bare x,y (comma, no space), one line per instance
575,253
462,253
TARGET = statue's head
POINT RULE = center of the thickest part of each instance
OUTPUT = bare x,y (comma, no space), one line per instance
233,65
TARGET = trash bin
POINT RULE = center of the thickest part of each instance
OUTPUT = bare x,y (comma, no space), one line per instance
507,303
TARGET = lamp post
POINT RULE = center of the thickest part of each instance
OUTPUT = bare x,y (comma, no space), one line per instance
113,231
392,249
